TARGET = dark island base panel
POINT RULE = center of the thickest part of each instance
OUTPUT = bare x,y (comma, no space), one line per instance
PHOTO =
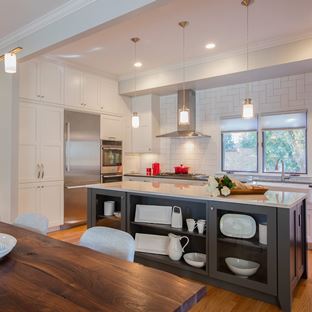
283,261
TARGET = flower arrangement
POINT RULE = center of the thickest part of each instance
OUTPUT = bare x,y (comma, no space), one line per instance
220,186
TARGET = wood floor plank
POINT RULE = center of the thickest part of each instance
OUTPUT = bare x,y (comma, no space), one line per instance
220,300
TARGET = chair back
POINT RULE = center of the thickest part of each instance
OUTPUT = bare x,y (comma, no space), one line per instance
109,241
33,221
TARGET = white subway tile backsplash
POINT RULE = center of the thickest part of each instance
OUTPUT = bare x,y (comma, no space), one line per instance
203,155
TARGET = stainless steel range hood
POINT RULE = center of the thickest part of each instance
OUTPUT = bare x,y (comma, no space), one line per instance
186,131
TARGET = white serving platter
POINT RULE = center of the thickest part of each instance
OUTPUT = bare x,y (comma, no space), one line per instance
153,214
238,225
7,243
155,244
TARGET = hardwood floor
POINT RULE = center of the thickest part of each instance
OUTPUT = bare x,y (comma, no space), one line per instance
221,300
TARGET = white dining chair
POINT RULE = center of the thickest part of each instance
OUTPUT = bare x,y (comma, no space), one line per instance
109,241
32,221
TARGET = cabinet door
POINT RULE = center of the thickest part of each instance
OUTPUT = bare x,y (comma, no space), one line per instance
228,244
51,82
28,197
127,137
111,128
51,121
90,91
52,202
141,139
28,143
29,80
109,99
299,242
309,225
73,85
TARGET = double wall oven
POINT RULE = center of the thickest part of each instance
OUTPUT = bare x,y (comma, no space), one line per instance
111,161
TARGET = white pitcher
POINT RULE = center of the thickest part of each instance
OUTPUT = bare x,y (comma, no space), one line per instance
175,248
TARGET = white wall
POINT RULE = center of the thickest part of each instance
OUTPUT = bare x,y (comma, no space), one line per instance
204,155
9,145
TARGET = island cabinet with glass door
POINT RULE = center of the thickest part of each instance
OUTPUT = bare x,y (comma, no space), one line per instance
255,247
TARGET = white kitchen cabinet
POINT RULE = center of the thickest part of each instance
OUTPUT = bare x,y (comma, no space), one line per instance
110,102
73,87
28,198
143,139
40,143
41,82
52,202
90,91
46,198
81,90
29,80
111,128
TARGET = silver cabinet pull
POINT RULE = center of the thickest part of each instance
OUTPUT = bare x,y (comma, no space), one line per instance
211,208
38,171
42,171
67,147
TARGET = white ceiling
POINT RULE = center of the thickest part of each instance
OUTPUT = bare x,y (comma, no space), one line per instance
14,14
219,21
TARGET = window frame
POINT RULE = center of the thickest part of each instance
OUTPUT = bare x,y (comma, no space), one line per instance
285,129
222,151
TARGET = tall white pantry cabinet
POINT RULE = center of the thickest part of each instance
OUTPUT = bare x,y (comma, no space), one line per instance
41,124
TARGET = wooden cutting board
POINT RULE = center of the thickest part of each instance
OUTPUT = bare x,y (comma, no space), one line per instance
253,190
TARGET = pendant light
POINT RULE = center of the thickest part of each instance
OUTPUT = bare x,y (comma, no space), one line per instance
184,113
248,107
135,117
10,60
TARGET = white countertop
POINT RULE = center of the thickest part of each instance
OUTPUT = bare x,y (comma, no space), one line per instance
278,199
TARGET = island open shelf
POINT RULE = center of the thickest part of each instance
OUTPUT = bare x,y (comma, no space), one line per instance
280,262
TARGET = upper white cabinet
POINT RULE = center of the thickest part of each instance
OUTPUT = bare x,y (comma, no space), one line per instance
110,101
40,143
41,82
90,91
85,91
81,89
73,87
143,139
111,128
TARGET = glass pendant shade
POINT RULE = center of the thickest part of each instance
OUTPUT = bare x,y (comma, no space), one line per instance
248,109
184,116
135,120
10,63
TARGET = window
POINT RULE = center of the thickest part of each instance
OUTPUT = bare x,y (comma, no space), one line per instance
239,145
285,138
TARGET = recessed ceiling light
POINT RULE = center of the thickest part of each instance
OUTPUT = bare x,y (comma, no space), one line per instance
137,64
69,56
210,45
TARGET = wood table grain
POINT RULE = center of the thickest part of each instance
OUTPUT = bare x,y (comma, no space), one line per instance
44,274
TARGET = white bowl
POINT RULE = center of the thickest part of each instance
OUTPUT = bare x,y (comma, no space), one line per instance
195,259
7,243
242,268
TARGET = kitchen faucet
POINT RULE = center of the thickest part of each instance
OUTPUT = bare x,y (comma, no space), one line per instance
283,177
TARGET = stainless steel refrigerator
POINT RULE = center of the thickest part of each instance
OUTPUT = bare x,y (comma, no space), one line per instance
82,163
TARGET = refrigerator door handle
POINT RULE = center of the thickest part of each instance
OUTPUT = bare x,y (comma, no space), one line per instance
67,147
74,187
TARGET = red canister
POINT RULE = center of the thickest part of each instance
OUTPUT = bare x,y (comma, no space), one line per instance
155,169
148,171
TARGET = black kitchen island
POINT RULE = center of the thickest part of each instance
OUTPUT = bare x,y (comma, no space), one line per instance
282,260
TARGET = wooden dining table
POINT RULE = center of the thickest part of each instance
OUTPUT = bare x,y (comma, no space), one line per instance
44,274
